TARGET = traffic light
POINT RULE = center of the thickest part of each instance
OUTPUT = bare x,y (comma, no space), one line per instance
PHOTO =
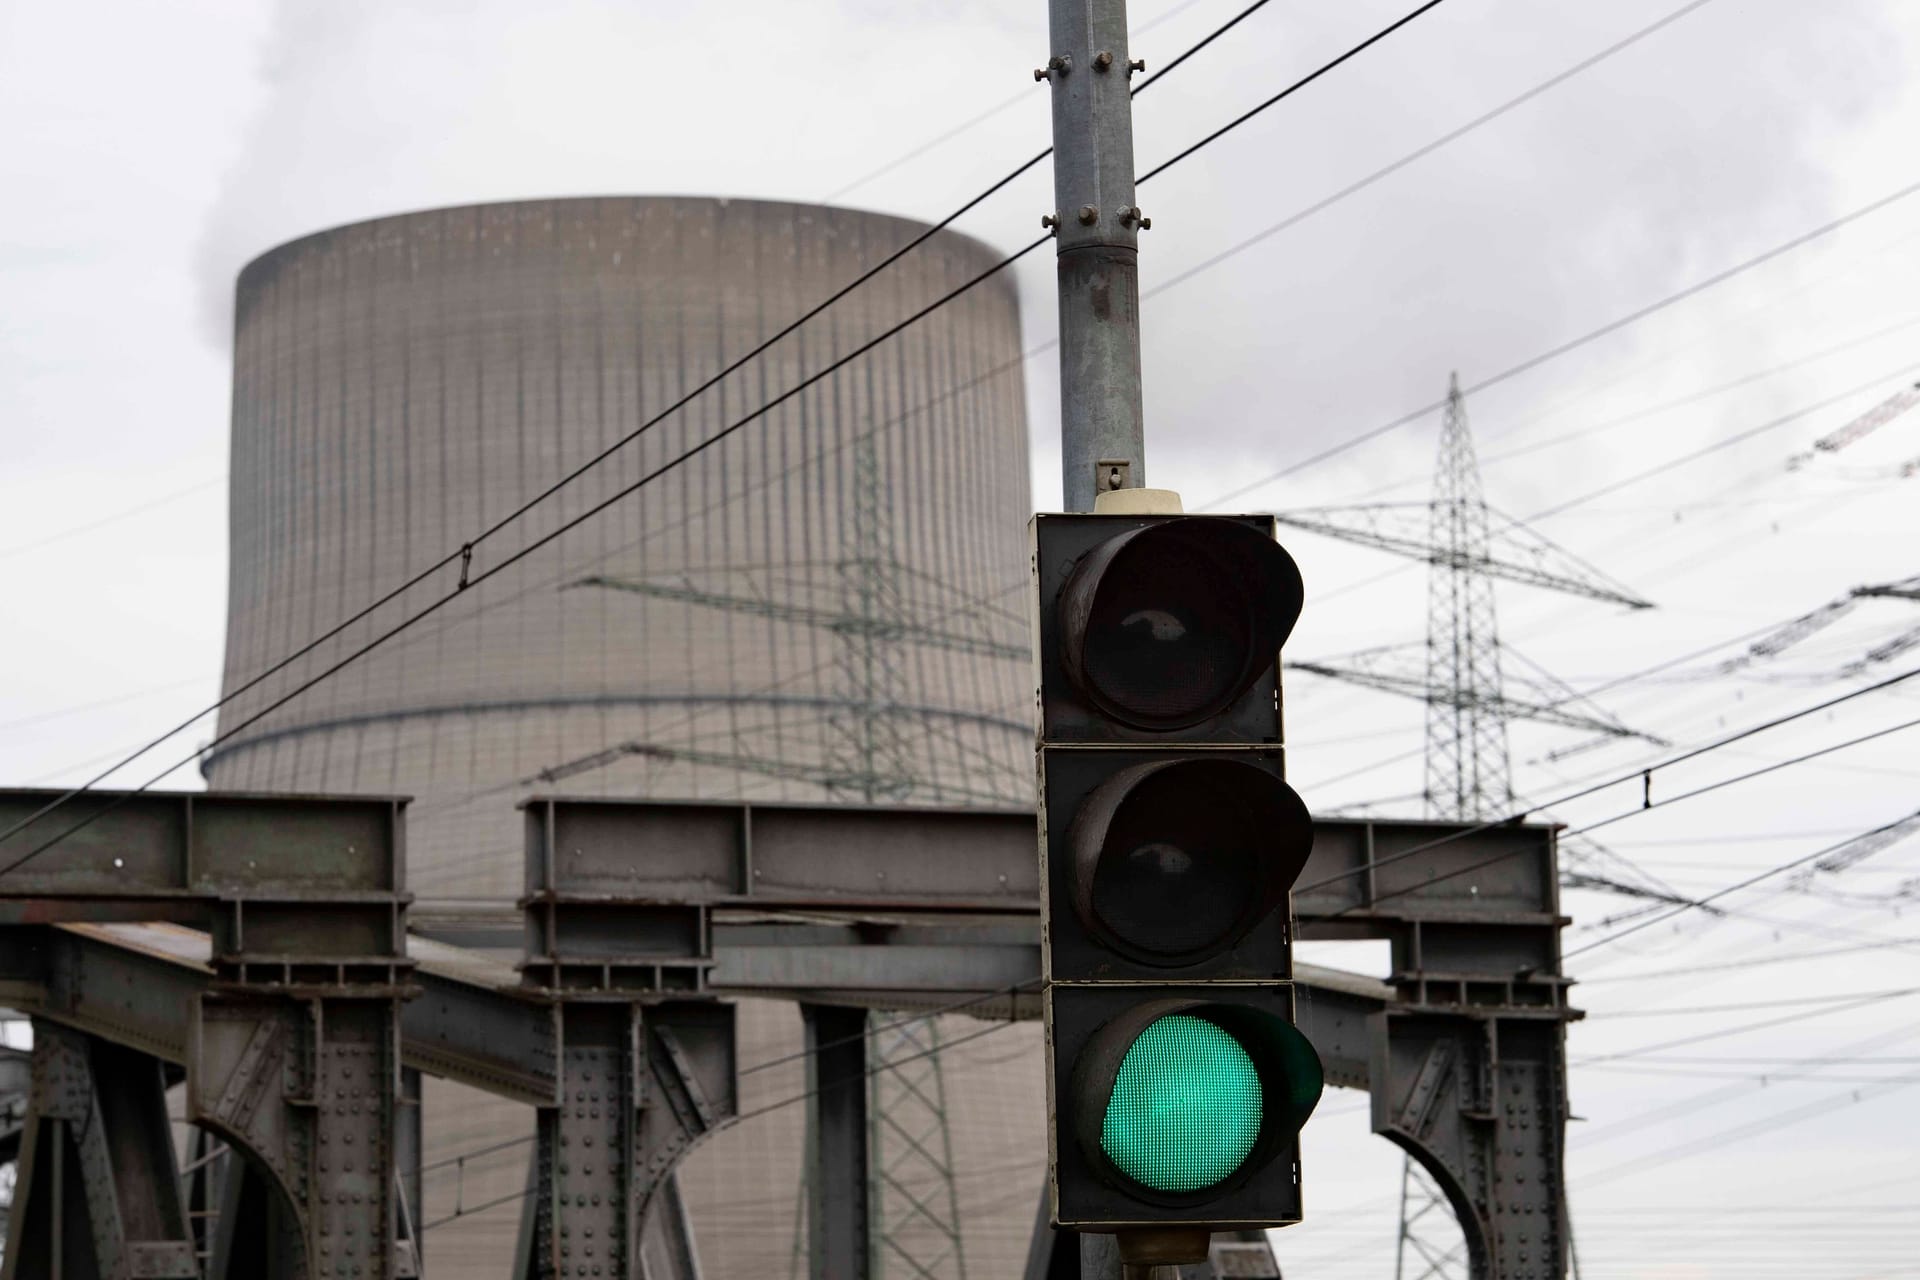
1169,843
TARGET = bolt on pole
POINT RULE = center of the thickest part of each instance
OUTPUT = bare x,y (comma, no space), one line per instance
1096,229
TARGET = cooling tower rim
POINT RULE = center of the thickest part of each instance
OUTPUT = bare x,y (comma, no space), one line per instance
269,258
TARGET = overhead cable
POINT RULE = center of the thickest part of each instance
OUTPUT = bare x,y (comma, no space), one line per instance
464,556
1574,344
1768,874
1633,775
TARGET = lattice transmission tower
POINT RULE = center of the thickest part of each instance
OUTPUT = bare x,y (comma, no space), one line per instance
913,1207
1468,771
867,756
873,732
1472,692
913,1204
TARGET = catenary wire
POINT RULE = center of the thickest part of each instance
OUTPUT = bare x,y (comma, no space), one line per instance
1738,885
1793,957
1612,683
467,581
1753,773
462,553
1687,905
1632,775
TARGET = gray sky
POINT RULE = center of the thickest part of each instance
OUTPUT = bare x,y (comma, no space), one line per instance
149,150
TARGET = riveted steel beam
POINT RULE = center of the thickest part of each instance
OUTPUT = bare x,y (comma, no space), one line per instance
285,1013
98,1195
638,1085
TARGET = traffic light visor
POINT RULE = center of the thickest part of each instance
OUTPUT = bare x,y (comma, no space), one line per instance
1185,1098
1167,625
1175,861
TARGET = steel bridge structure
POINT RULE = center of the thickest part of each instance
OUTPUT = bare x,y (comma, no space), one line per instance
266,951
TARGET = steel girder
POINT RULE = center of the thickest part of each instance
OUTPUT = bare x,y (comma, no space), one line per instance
637,1086
288,1025
1466,1064
97,1195
637,914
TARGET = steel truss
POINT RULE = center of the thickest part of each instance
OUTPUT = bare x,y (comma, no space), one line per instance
266,950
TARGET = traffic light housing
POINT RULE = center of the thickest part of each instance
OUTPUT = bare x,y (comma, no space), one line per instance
1169,843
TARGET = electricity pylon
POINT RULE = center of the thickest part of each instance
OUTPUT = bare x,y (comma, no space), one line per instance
868,751
913,1207
1472,695
1467,676
868,754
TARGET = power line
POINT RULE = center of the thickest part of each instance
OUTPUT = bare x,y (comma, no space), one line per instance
1603,687
1750,774
1592,335
1777,1120
1422,152
869,1033
1630,776
21,548
1815,1075
467,581
1783,1003
1665,406
1287,92
1879,997
1791,957
1735,887
1684,906
1007,992
43,717
465,554
1724,442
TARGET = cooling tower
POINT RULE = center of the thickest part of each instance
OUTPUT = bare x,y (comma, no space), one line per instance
826,603
823,604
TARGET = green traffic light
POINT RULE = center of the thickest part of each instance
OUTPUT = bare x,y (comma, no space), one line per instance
1185,1109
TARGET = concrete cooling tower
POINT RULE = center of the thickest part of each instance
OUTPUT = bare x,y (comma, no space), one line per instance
826,605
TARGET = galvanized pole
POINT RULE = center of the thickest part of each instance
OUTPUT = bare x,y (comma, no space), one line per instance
1096,229
1096,237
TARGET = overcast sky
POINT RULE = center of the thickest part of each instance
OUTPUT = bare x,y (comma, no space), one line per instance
148,150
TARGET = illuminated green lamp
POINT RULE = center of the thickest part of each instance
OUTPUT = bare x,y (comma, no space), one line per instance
1186,1106
1181,1101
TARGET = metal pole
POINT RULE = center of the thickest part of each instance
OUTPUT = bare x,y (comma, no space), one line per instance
1096,231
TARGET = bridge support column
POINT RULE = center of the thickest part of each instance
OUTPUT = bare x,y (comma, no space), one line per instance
637,1085
98,1190
1479,1099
